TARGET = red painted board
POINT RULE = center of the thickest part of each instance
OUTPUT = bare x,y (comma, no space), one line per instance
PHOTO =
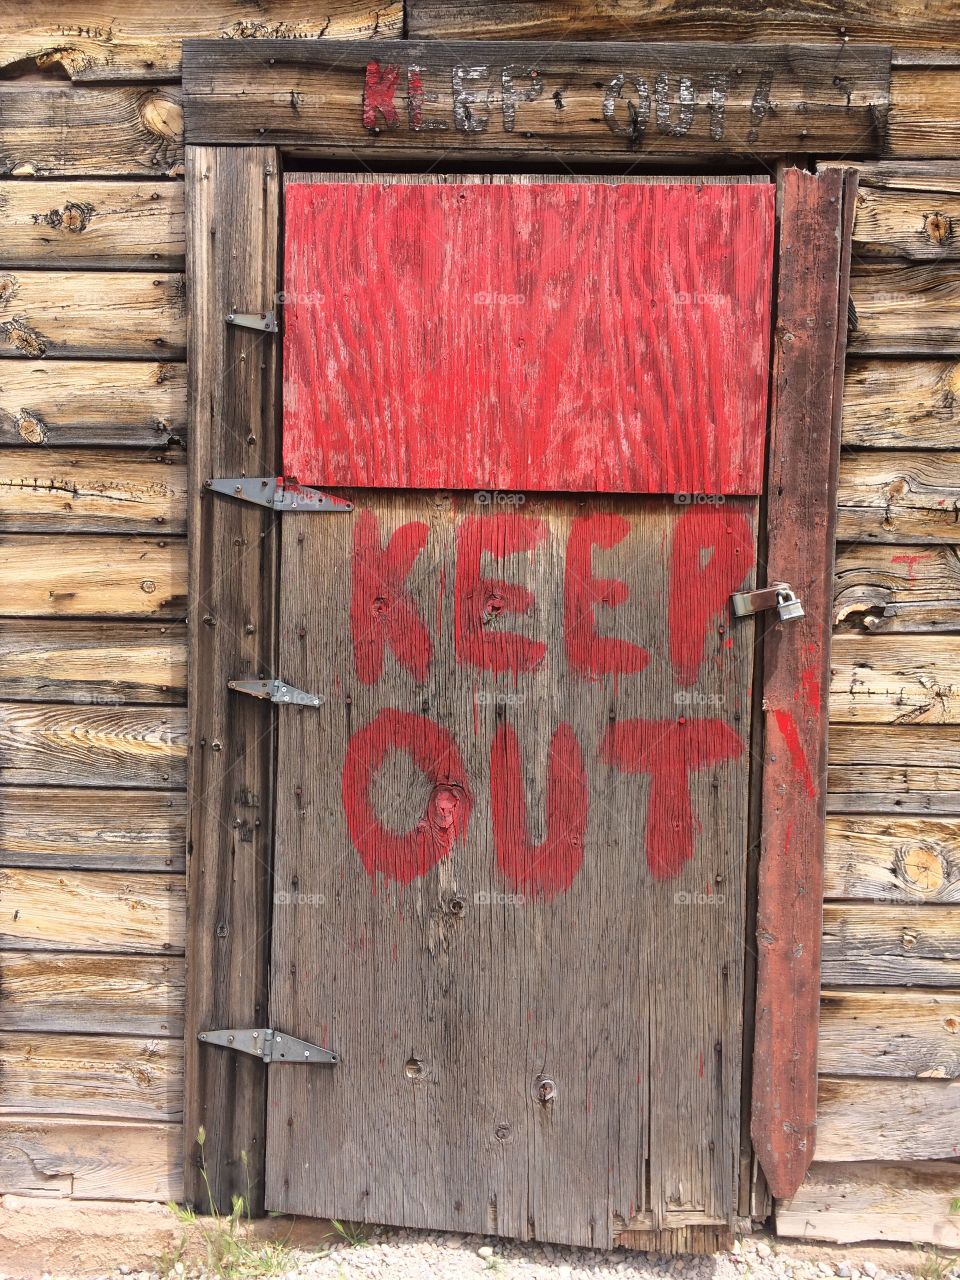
816,222
556,336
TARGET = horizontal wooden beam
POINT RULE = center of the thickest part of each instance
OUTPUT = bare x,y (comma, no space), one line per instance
888,1119
90,1159
899,404
129,43
908,24
896,588
874,858
507,98
889,945
117,404
895,680
905,309
906,1034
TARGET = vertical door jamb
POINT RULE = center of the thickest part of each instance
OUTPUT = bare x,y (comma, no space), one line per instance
816,216
233,260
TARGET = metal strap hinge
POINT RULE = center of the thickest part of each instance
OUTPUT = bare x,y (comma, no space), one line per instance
265,321
270,1045
780,596
278,493
276,691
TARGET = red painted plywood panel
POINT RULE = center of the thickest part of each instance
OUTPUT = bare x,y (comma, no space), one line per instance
578,337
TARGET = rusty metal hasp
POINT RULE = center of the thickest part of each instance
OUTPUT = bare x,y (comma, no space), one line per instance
277,691
780,596
270,1045
279,494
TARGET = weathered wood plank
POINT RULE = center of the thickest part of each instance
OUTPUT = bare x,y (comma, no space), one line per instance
924,115
914,770
116,404
235,430
519,98
125,1077
95,663
892,680
120,225
899,497
907,1034
868,1200
898,404
92,491
889,1119
131,43
116,995
91,911
120,314
47,576
816,217
90,1159
917,747
906,309
909,24
879,588
92,746
918,226
911,175
119,131
890,945
94,830
893,859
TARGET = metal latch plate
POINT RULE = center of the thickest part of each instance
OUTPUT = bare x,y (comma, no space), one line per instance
265,321
270,1045
278,493
276,691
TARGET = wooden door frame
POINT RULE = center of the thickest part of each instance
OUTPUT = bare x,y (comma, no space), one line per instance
234,227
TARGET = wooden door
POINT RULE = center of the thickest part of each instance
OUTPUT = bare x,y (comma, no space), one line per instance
511,844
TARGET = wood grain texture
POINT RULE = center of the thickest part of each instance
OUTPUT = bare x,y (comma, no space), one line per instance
233,202
816,216
621,412
116,131
883,859
890,1119
125,1077
899,497
90,1159
92,829
93,663
92,491
881,588
143,44
92,746
895,680
899,404
120,314
40,911
906,309
551,941
105,403
909,24
924,115
44,576
868,1200
898,224
890,945
66,225
911,175
115,994
906,1034
915,770
476,98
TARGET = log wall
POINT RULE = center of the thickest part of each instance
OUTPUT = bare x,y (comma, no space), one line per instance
93,603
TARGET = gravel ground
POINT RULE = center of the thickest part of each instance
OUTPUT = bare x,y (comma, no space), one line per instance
410,1255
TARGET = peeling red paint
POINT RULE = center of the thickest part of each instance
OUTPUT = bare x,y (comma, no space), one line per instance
588,653
381,613
787,725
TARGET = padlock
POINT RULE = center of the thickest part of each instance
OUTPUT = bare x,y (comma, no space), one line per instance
788,606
